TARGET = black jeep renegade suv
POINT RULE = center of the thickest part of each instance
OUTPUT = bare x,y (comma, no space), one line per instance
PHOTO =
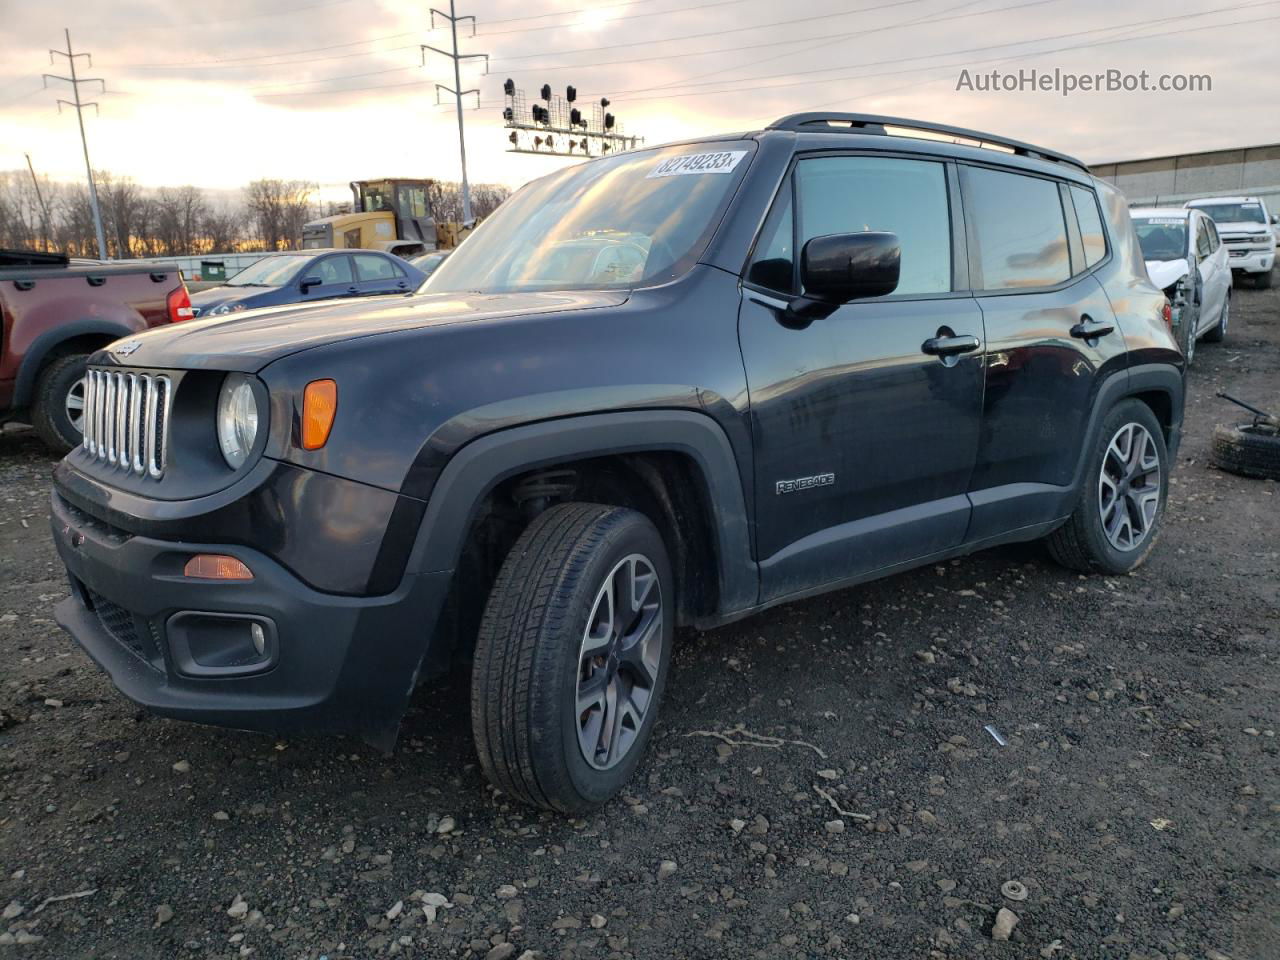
674,386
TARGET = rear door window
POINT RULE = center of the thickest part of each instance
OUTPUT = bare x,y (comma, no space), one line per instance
372,267
334,270
1018,229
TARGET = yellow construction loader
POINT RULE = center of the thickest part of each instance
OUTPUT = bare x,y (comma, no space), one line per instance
389,214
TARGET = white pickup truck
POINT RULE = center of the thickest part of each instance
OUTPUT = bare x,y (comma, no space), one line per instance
1244,223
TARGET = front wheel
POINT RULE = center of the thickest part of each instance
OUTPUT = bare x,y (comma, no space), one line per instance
1121,501
58,410
572,656
1262,281
1218,332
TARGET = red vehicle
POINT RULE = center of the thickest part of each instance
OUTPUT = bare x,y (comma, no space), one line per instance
55,312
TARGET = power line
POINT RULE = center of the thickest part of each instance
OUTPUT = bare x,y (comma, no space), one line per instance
927,19
75,82
286,53
979,49
255,66
711,33
826,37
566,13
634,16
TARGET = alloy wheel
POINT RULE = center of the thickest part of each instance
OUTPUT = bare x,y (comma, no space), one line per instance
1129,487
74,404
619,661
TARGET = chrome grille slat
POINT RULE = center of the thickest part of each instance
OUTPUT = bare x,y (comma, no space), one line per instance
127,420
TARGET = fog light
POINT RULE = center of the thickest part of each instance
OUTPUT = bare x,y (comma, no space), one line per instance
221,644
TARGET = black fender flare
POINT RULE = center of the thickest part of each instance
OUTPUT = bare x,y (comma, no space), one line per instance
1144,378
34,357
476,468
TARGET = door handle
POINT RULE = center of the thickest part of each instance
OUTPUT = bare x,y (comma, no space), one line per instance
950,346
1090,329
353,289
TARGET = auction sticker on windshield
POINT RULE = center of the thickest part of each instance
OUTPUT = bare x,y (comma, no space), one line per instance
722,161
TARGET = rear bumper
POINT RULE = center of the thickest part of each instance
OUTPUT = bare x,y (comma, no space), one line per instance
340,664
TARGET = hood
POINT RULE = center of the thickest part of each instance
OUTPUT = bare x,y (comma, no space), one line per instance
248,342
1163,273
206,300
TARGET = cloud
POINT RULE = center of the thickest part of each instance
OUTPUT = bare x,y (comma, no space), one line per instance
331,90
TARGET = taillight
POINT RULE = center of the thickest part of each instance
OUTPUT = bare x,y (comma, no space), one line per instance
1166,312
178,304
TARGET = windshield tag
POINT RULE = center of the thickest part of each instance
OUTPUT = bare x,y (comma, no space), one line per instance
721,162
1173,221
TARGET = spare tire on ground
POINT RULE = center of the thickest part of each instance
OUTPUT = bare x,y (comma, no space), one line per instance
1249,449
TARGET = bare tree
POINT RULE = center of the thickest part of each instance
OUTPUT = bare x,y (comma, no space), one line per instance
180,212
279,208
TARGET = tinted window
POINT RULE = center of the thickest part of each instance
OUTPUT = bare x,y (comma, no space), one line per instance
1021,235
906,197
1161,238
372,267
1090,221
774,261
333,270
1233,212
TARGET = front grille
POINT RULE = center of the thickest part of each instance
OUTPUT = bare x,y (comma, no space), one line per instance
118,622
126,420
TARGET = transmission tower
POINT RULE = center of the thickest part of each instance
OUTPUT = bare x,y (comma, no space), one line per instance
75,82
457,91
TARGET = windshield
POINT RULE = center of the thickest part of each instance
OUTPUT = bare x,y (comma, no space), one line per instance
269,272
621,222
1234,212
1162,238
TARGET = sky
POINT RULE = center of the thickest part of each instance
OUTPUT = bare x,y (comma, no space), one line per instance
218,94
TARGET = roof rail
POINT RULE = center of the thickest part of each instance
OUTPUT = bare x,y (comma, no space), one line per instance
866,123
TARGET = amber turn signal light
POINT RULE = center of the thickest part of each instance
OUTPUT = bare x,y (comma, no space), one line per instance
216,566
319,406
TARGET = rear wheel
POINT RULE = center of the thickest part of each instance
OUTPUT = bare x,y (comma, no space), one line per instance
1121,502
572,656
58,411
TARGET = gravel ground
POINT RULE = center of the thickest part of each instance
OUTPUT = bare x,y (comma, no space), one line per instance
860,811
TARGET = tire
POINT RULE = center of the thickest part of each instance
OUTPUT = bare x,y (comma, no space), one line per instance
533,664
1247,450
1219,331
1262,281
55,389
1082,543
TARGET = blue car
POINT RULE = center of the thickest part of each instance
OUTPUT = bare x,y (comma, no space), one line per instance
306,275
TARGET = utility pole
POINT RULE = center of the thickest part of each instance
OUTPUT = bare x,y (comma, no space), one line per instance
457,90
75,82
44,211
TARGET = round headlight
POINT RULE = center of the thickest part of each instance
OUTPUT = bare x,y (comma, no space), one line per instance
237,419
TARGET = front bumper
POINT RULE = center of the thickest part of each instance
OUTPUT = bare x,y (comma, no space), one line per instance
1251,261
341,664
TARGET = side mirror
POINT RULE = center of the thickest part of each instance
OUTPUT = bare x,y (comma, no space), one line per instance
841,267
1275,218
309,282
